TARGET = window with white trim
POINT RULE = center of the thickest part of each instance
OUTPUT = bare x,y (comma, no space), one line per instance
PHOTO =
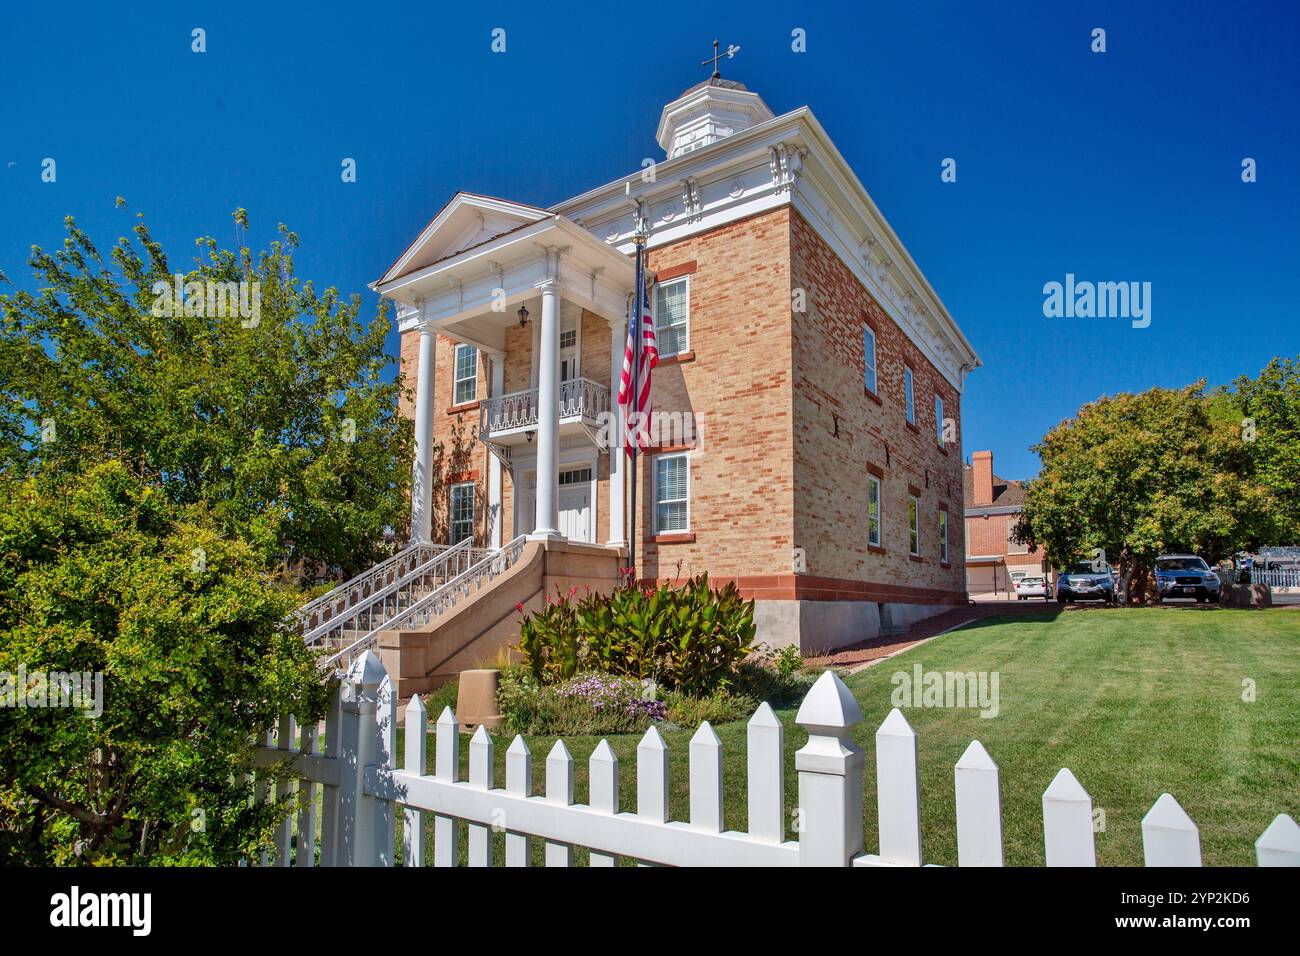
672,317
913,525
869,356
672,493
461,523
943,535
908,397
938,419
873,510
466,374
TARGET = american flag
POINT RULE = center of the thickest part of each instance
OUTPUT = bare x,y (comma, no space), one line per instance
649,359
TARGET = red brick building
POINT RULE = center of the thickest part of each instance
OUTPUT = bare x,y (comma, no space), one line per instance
809,386
995,560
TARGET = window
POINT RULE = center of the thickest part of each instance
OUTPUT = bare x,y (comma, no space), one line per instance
672,306
907,395
466,374
873,510
869,356
938,419
1014,546
672,491
913,525
943,535
462,511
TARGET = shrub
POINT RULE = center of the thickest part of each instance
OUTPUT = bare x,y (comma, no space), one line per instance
589,705
689,638
720,707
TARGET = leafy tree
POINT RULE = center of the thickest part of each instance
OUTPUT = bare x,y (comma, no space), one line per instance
248,392
101,573
1266,413
1141,474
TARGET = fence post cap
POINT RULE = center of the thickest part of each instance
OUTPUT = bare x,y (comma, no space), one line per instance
652,740
828,704
519,746
1282,834
976,758
604,753
764,716
367,672
1167,814
1066,787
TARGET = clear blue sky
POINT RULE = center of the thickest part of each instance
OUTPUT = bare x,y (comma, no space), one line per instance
1117,166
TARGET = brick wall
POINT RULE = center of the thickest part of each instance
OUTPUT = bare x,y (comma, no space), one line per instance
739,382
844,432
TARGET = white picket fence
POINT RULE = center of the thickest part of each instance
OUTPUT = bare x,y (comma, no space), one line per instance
361,789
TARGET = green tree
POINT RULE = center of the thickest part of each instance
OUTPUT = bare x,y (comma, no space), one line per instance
1266,413
101,573
249,392
1140,474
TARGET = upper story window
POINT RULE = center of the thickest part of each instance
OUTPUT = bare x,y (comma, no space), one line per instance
913,525
869,356
672,493
908,396
943,535
873,510
938,419
466,374
672,317
461,523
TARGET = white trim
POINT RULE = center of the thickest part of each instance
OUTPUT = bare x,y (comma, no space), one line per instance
938,418
654,493
909,394
654,311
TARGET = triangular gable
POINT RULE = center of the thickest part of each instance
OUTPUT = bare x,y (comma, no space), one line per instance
466,221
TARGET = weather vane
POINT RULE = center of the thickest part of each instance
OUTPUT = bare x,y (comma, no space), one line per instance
731,50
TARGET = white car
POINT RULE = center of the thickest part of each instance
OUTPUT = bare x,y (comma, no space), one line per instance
1032,587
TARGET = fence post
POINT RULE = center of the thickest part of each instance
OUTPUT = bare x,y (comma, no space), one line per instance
364,840
830,776
1067,823
898,791
1169,837
1279,845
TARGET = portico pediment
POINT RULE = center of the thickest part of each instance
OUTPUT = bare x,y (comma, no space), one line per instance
468,220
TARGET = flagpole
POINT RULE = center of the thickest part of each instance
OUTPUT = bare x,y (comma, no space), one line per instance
632,407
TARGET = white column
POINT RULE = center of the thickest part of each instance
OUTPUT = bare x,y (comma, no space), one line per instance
548,415
494,463
617,457
422,483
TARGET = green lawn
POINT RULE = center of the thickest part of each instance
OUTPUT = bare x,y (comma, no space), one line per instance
1135,701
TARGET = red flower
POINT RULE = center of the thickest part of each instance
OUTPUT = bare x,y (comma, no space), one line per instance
519,606
573,590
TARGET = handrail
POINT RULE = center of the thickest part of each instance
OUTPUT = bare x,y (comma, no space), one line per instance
422,611
578,397
378,601
365,577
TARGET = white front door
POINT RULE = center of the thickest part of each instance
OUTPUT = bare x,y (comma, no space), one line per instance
576,514
575,505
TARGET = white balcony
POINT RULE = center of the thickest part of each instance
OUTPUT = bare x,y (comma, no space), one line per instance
511,419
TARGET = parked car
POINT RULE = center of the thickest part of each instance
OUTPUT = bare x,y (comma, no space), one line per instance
1186,576
1032,587
1082,582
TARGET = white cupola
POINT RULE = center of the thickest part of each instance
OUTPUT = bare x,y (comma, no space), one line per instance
708,112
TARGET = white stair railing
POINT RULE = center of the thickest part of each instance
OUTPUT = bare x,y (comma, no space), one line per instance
391,598
482,565
355,590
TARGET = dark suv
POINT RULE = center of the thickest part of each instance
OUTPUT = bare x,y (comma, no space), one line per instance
1185,576
1083,583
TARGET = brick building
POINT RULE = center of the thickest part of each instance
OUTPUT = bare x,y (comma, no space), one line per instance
995,560
808,390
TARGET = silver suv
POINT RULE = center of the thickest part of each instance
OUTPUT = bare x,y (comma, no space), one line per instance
1185,576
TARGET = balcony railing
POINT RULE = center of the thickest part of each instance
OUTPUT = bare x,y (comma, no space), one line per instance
579,399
